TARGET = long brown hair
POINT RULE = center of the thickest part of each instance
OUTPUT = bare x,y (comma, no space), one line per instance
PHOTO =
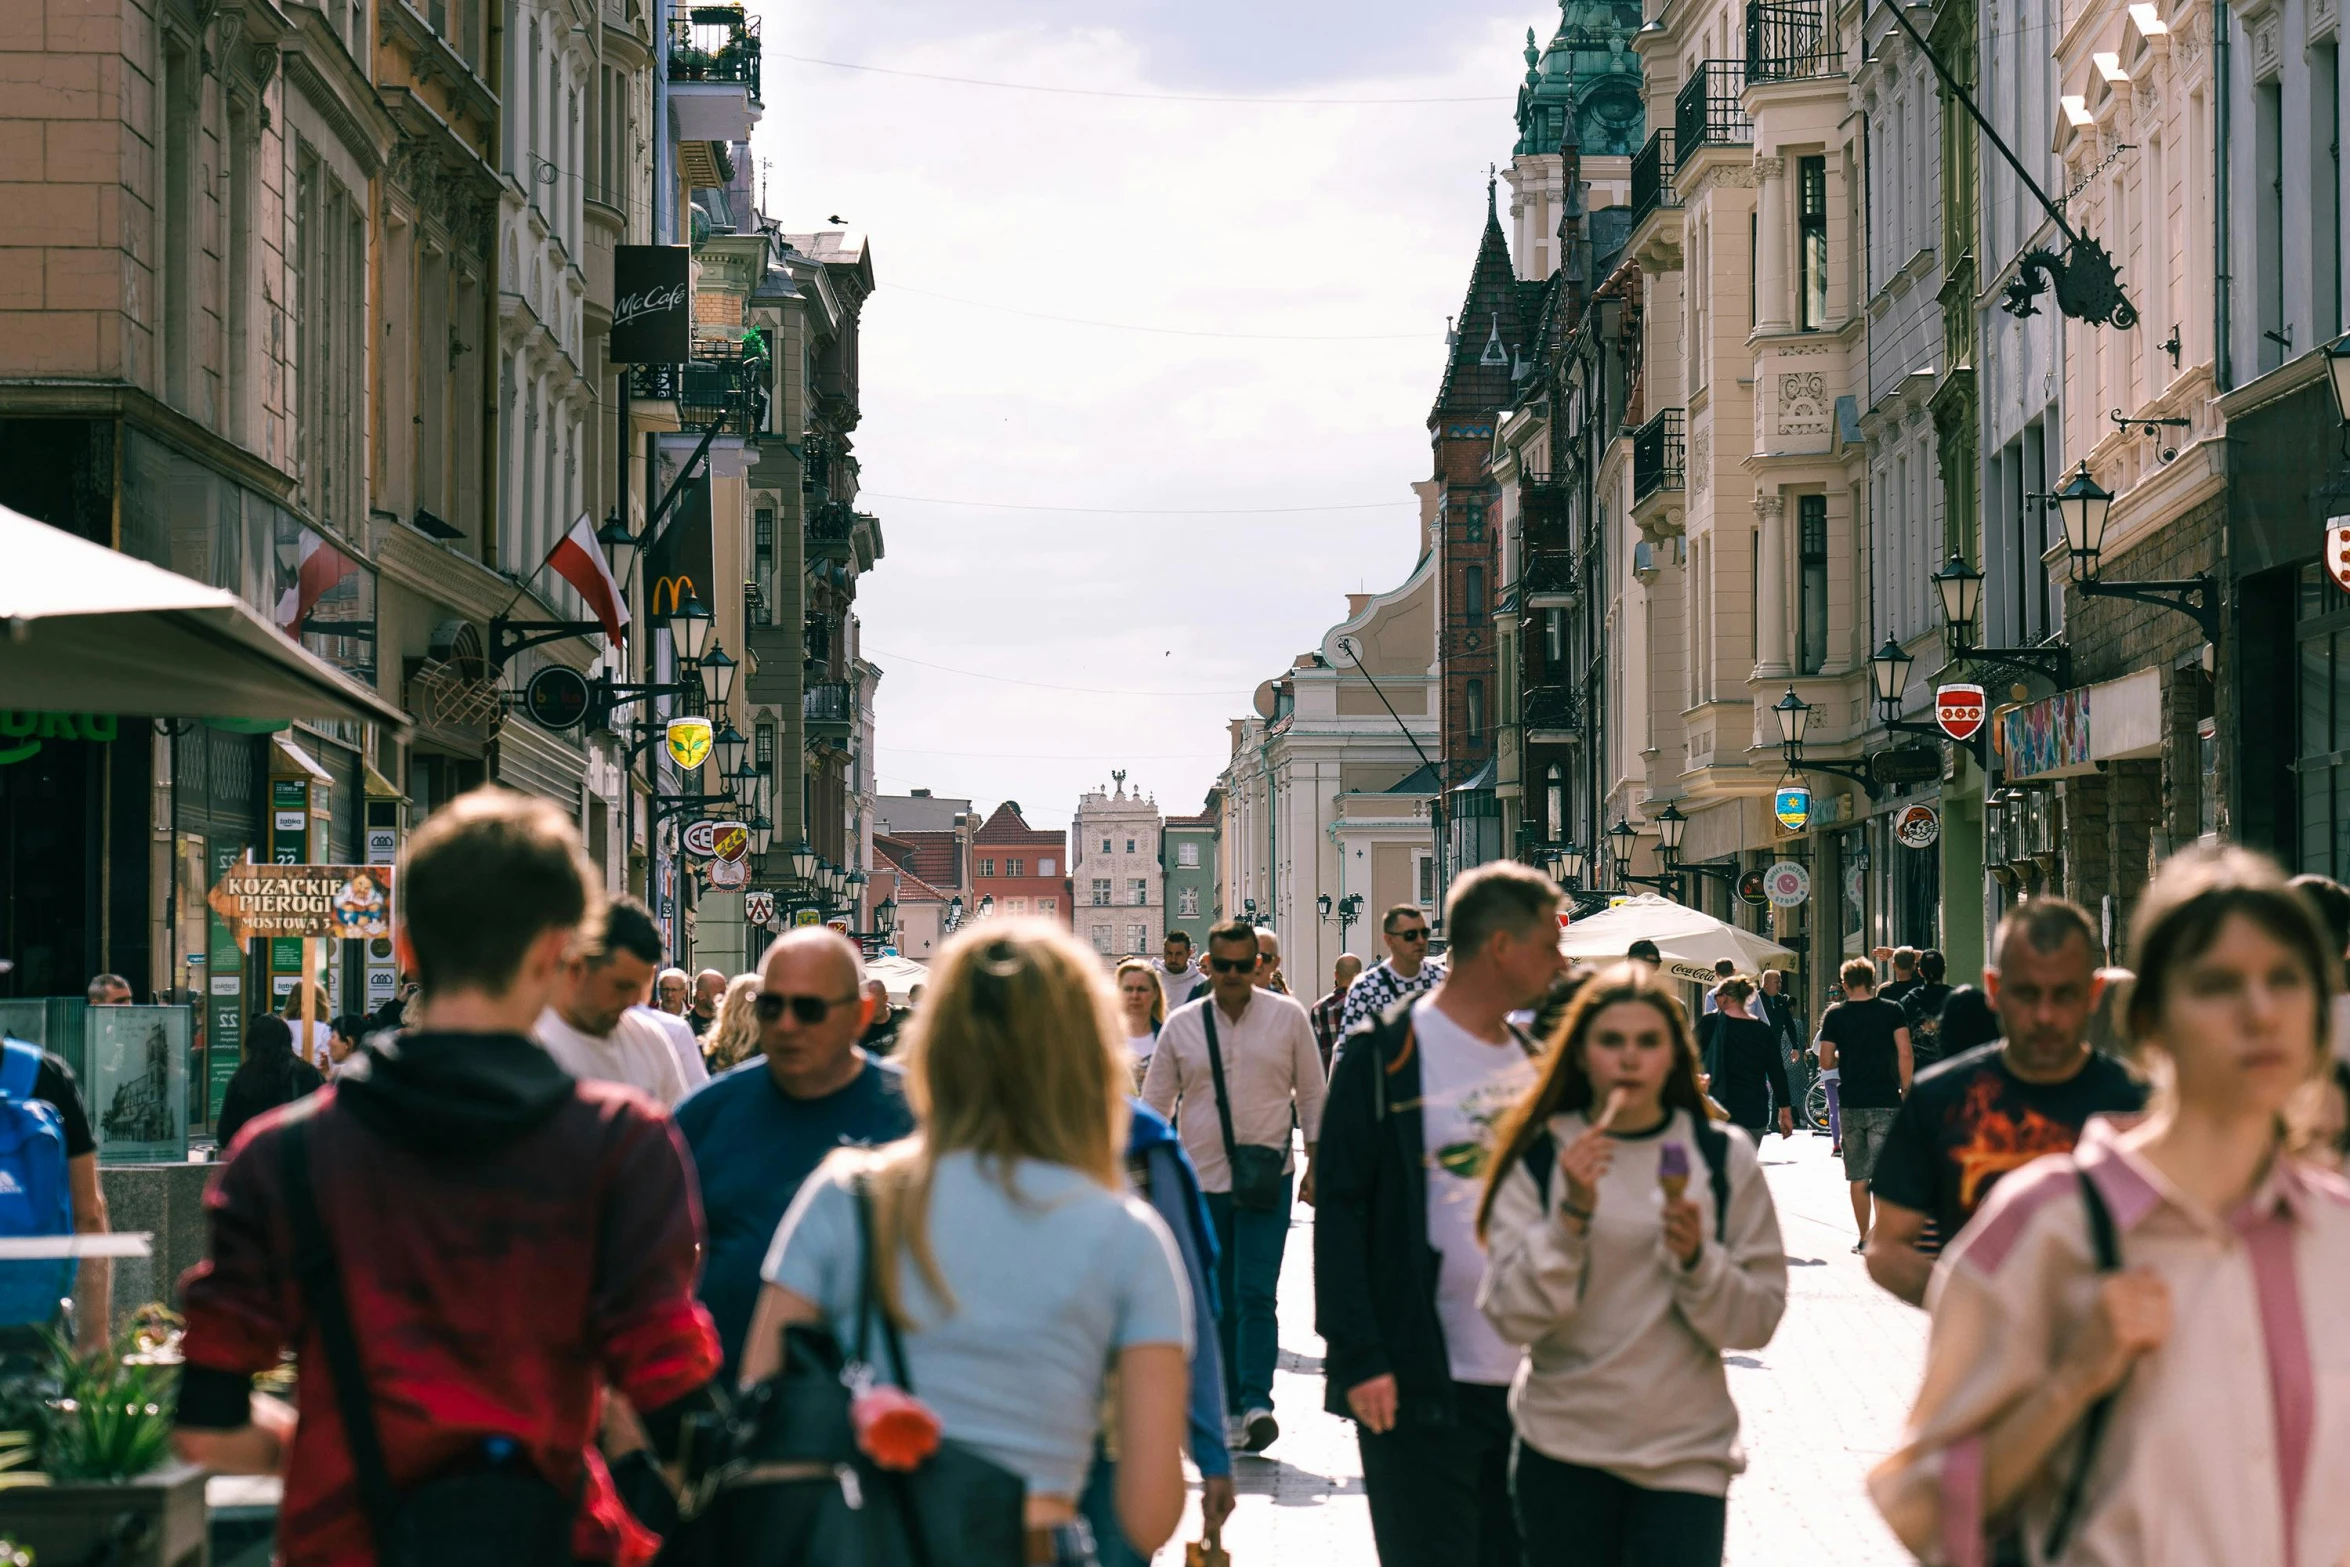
1017,1052
1565,1083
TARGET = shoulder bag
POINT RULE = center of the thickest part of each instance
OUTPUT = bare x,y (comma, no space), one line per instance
1258,1173
492,1509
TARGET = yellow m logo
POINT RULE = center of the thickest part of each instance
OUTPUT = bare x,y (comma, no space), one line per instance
669,592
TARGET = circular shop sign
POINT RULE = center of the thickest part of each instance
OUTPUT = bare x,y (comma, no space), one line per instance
556,698
699,837
1786,884
1750,888
1917,826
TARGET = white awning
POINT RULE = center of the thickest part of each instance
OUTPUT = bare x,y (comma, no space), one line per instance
1691,941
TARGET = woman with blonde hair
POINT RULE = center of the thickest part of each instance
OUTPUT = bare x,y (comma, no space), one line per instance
734,1038
1005,1247
1142,1002
2131,1357
1630,1241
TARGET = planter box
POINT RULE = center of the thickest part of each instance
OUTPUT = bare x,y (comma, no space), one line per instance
159,1520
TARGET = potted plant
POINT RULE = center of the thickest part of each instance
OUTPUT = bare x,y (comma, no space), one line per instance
86,1467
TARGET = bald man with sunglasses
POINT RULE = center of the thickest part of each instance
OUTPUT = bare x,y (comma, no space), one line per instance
757,1131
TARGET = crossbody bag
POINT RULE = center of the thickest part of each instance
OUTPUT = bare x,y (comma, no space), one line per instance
1259,1174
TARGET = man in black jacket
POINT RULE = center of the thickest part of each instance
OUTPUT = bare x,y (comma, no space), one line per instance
1406,1131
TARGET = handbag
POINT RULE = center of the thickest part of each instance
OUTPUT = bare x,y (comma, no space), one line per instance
800,1492
1259,1174
2007,1546
493,1509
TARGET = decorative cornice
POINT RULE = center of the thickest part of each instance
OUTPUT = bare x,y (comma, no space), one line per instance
340,96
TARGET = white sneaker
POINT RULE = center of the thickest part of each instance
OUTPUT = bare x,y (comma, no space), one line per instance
1258,1430
1235,1433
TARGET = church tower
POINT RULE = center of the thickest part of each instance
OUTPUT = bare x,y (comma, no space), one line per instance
1582,90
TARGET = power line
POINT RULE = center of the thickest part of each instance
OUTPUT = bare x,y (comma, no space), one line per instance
1106,92
1141,511
1031,756
1175,331
1040,685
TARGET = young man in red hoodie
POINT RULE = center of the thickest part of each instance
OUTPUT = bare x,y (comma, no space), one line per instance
509,1243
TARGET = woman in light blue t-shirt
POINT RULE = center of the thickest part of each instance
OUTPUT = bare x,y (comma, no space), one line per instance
1018,1267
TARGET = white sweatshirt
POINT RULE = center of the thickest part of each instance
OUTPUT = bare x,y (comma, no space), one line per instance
1623,1370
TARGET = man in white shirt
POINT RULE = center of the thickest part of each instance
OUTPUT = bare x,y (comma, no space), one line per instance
1178,975
1272,1073
681,1041
595,1027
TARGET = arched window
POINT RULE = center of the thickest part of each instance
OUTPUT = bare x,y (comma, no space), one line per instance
1476,705
1556,803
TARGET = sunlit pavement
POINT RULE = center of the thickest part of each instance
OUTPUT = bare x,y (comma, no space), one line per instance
1821,1404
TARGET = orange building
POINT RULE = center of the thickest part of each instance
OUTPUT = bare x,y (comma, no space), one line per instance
1023,868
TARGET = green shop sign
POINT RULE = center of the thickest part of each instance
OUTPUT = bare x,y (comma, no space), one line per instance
22,730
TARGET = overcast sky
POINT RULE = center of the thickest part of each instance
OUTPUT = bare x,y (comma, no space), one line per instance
1349,225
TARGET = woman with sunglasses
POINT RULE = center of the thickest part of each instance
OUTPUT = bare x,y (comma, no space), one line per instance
2134,1355
1142,1003
1629,1242
1009,1252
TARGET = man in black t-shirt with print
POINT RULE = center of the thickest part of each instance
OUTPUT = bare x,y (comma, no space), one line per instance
1865,1038
1998,1107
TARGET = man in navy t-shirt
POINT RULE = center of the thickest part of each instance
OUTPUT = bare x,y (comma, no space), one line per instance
759,1130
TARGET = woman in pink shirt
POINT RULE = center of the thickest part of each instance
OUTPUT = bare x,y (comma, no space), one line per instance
2189,1404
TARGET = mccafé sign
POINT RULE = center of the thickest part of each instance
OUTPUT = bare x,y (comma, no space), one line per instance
22,730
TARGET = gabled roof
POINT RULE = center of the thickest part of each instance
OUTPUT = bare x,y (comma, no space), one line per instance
1005,824
933,856
1491,334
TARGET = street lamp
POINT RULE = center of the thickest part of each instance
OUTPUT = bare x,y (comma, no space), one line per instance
1568,864
1961,589
986,905
717,675
729,744
2337,355
762,833
1671,824
689,627
954,911
1323,903
1889,673
1794,720
885,918
1620,840
803,862
2083,504
620,547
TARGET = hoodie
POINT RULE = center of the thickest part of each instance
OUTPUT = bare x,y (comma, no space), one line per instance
510,1242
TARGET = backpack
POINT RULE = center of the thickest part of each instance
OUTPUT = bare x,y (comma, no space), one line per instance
1925,1025
1713,1145
35,1199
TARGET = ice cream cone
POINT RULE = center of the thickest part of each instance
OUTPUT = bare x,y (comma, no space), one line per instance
1672,1170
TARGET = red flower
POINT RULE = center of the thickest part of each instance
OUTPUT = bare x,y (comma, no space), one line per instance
894,1428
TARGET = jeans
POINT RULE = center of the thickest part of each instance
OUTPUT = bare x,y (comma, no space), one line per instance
1571,1516
1248,1273
1835,1110
1440,1495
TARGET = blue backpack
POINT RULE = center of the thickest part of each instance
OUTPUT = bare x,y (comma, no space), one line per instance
35,1198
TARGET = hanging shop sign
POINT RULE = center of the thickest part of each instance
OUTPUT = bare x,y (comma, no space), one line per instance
1750,889
22,730
729,874
689,741
699,837
1917,826
730,841
1786,884
807,917
1907,764
759,909
2337,552
1792,805
652,305
305,900
1959,709
557,698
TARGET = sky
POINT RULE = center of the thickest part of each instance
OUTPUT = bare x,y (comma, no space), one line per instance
1099,540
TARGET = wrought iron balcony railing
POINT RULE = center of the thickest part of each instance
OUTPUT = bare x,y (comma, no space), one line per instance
1707,112
1790,42
1552,578
1554,709
1652,177
827,709
830,527
715,43
1659,456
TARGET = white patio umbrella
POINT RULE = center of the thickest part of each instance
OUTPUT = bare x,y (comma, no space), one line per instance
901,975
1691,941
87,629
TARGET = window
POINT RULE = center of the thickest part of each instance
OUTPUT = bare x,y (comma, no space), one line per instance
1101,940
1048,905
1015,905
1015,867
1044,867
2268,200
1187,856
1427,878
1187,903
1138,938
1101,894
1554,639
1812,225
1141,890
763,565
1476,711
987,867
1555,799
1811,521
1473,592
1130,846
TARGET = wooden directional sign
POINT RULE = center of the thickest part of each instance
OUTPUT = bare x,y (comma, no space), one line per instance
305,900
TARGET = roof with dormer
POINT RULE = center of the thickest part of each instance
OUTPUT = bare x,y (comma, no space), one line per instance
1490,338
1585,82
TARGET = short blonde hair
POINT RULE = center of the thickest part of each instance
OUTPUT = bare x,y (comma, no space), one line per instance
1017,1052
735,1038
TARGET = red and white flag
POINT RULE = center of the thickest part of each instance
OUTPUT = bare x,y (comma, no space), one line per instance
318,566
579,559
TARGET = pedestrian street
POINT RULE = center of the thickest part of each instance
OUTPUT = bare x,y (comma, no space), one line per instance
1821,1404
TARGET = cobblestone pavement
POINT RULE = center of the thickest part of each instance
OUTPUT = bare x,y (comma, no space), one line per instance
1821,1404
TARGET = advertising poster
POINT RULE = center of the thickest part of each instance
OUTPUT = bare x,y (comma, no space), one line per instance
652,305
677,566
138,1060
224,1021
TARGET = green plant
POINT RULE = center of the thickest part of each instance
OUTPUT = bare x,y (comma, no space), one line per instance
111,1418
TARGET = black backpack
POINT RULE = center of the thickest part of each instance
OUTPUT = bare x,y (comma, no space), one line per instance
1713,1145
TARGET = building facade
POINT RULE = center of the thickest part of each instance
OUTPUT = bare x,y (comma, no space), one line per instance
1024,869
1114,848
1187,868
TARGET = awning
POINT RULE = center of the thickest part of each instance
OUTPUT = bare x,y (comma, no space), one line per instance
87,629
901,975
1691,941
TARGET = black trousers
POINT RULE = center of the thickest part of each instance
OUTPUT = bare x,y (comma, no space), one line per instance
1577,1517
1440,1495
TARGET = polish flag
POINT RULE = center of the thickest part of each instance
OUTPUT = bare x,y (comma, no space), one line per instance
579,560
318,566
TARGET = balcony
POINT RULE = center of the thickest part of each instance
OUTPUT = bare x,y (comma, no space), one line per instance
1707,112
1652,178
714,73
1791,42
827,711
1554,715
1659,456
1551,580
832,530
719,385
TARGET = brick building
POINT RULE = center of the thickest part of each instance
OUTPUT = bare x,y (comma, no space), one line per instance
1024,869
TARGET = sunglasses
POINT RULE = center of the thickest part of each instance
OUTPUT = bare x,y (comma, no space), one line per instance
768,1007
1233,965
1421,934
